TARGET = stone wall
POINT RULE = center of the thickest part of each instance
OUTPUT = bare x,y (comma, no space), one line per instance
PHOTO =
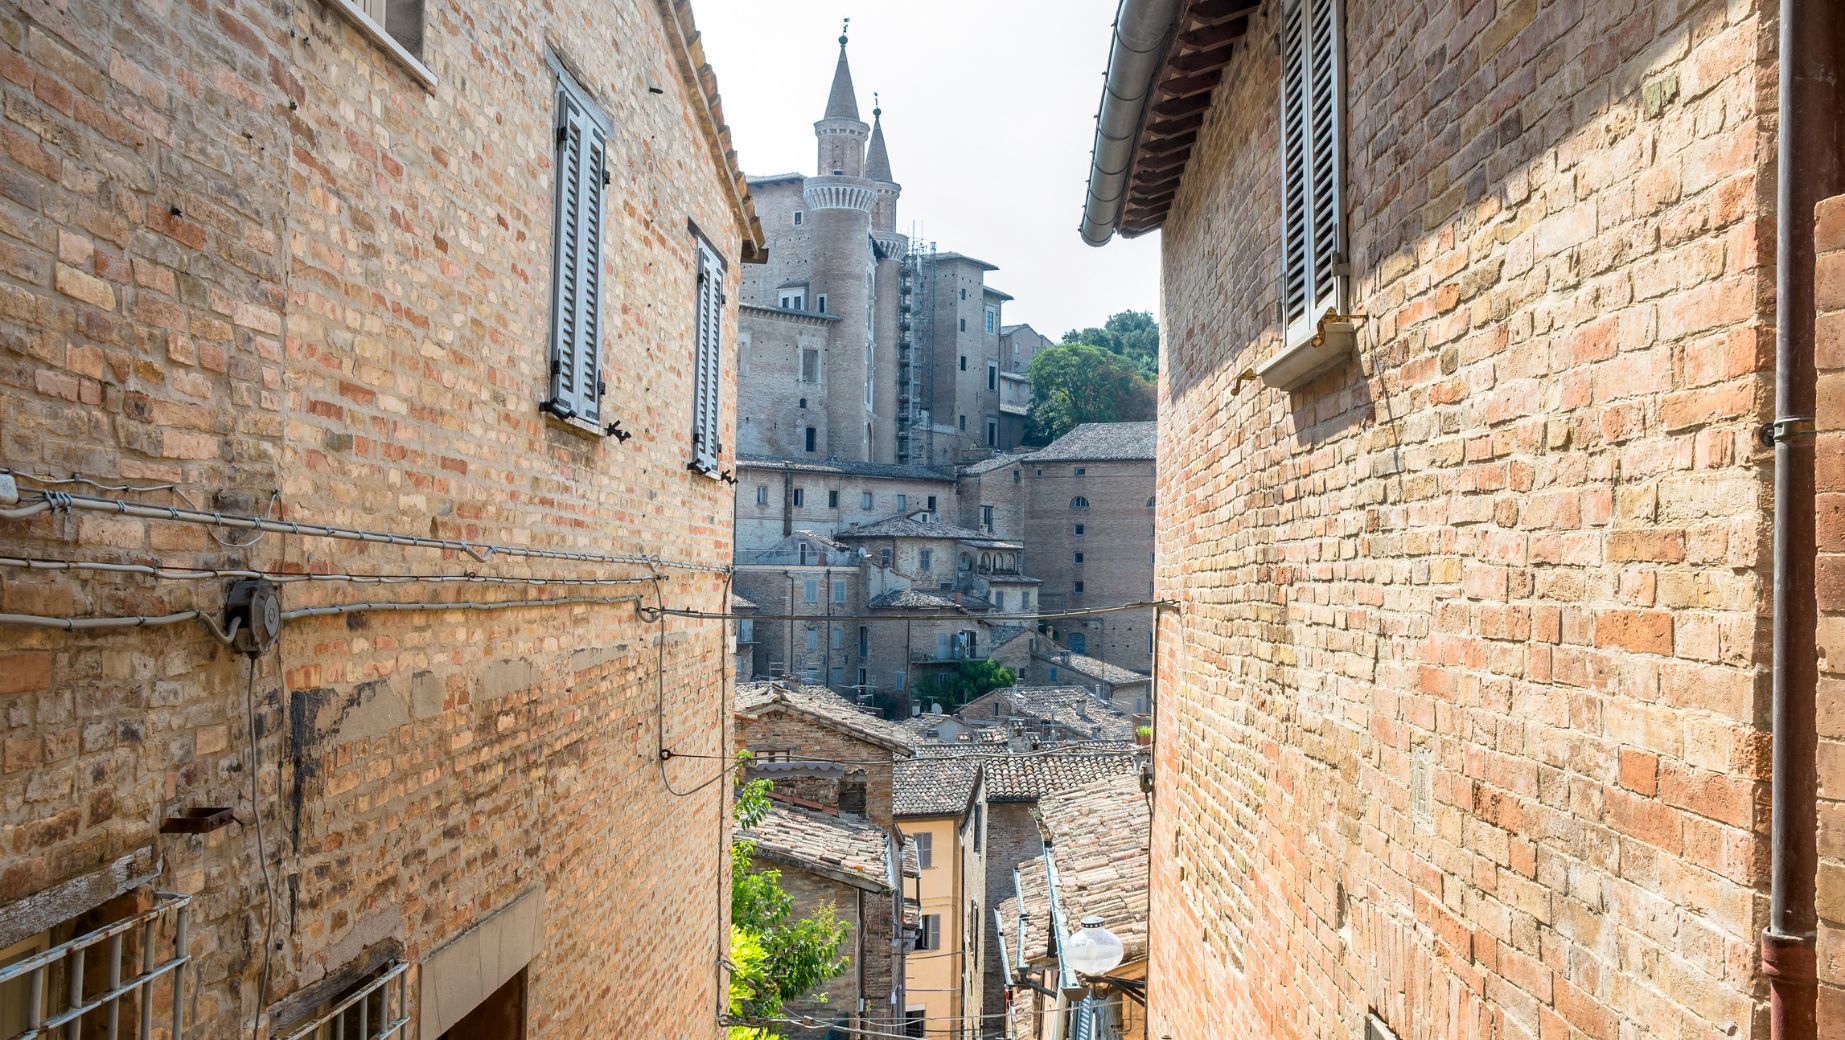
248,255
1461,722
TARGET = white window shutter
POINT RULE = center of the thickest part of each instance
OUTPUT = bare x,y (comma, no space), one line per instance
576,308
707,361
1312,165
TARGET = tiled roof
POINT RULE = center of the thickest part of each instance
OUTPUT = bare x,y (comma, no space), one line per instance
842,847
1114,675
1029,777
1102,442
989,465
912,599
933,785
1099,838
910,527
740,603
1033,885
824,706
847,466
1072,707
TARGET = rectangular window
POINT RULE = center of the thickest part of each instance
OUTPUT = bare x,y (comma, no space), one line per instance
992,432
964,329
992,320
1078,588
1312,165
925,558
838,636
1024,599
820,303
811,439
999,600
800,496
798,217
810,364
964,362
896,681
1079,558
992,375
925,850
903,503
810,591
832,499
884,556
746,630
963,422
1079,530
864,500
864,678
1080,470
931,503
792,299
395,25
743,353
839,593
582,132
813,639
864,642
707,368
986,518
762,494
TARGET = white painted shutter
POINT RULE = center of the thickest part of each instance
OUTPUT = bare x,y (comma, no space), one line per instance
707,362
1312,164
576,310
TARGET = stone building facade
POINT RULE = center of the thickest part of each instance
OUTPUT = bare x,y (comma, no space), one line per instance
279,260
1461,729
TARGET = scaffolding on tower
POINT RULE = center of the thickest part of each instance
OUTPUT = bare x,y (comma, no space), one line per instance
916,355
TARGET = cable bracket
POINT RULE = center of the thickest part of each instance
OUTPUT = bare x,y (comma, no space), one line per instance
1787,428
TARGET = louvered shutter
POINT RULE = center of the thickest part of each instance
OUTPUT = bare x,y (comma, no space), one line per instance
1082,1021
708,329
576,307
1312,164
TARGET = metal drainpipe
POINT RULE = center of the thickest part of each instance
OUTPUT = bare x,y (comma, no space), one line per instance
1807,171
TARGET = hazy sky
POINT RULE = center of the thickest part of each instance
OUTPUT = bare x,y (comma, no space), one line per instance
989,112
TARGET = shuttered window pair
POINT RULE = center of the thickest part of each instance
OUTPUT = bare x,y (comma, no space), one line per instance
576,272
707,370
1313,265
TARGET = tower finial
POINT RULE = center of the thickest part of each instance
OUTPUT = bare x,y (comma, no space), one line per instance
877,107
844,28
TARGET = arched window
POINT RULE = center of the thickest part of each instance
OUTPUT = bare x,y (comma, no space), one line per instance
1149,501
1079,502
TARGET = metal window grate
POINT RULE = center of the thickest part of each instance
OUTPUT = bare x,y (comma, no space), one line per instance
376,1011
82,1005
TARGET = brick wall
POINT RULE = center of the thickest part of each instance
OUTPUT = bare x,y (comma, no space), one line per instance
1012,840
1116,544
1830,586
245,252
1461,721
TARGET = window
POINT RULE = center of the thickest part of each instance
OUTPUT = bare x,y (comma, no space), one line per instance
832,500
791,299
810,366
896,681
820,303
964,362
925,559
999,599
839,591
798,217
707,371
992,432
811,440
813,639
1018,476
1053,673
964,329
864,500
1079,559
803,404
903,503
925,850
864,643
980,824
837,637
931,503
986,517
746,630
1079,530
395,25
810,593
800,499
992,320
963,420
576,255
1312,160
929,937
964,294
1077,587
1079,502
992,375
1078,642
1149,501
1081,470
916,1021
884,556
743,353
1024,599
762,494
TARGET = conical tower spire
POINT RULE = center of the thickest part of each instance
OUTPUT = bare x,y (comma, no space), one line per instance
877,160
841,102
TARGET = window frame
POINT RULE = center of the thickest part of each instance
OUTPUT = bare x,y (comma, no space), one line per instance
708,359
575,398
1322,268
372,27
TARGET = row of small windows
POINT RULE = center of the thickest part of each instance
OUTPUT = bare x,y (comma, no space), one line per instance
866,499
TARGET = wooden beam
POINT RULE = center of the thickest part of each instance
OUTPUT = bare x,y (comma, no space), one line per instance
1184,106
1211,60
1219,10
1175,127
1186,86
1212,37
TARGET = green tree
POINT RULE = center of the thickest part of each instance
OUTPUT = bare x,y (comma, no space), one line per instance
774,959
967,680
1132,334
1074,383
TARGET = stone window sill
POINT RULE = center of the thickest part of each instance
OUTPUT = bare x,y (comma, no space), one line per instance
384,41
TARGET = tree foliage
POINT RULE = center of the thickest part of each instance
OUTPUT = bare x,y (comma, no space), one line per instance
1132,334
774,958
1073,383
967,680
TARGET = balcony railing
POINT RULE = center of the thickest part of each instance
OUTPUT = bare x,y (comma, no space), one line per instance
86,1010
936,655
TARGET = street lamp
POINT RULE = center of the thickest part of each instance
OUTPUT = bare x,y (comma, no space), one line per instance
1093,950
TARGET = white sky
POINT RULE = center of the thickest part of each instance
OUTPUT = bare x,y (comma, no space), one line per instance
989,113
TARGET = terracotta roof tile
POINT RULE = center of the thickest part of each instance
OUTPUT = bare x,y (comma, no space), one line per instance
825,706
933,785
823,843
1099,838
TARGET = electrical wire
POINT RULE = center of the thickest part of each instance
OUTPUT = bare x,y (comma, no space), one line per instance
86,624
275,497
1149,604
63,501
262,853
283,577
1061,750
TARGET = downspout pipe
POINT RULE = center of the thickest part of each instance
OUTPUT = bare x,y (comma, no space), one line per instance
1807,171
1141,30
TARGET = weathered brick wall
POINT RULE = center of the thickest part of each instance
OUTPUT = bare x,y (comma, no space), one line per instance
1116,545
245,252
1830,587
1012,839
867,949
788,730
1461,722
777,405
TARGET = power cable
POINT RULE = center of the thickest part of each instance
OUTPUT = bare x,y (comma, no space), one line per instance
275,497
284,577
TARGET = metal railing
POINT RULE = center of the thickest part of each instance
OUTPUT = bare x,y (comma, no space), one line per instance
71,956
368,1013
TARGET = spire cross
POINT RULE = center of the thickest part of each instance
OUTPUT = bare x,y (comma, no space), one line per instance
844,27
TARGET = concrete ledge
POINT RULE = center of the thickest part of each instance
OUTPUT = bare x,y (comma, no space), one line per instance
457,977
